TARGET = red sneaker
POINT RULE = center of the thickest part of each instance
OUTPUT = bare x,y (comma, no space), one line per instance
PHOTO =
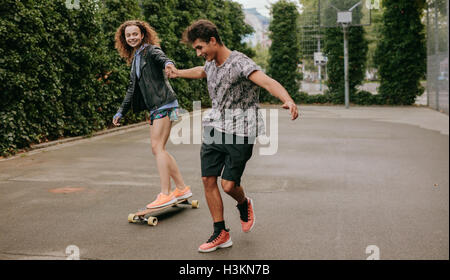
217,240
247,215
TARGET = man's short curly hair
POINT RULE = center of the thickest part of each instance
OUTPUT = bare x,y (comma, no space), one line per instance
201,29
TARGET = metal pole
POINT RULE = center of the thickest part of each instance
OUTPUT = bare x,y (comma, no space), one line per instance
320,67
436,52
347,96
428,56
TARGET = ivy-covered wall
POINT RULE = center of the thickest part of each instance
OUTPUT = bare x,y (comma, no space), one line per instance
60,75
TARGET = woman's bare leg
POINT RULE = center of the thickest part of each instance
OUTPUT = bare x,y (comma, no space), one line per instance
167,167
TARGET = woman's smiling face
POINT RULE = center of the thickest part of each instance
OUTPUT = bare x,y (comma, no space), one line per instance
133,36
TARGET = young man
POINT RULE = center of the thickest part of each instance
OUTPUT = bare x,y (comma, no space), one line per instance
231,126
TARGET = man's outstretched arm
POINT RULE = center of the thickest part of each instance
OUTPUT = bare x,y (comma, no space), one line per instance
275,89
192,73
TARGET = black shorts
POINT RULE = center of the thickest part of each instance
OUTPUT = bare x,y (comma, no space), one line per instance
225,155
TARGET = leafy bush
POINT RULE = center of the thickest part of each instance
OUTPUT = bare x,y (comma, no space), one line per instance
285,49
359,98
334,48
170,18
401,52
60,75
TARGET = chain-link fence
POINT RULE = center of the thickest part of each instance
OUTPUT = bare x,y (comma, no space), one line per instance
311,39
437,54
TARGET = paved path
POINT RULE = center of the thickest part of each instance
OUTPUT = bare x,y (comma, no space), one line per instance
341,180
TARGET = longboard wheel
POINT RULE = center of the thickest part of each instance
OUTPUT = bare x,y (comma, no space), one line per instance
152,221
194,203
131,218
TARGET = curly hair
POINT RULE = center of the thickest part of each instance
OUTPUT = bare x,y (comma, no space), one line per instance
127,52
201,29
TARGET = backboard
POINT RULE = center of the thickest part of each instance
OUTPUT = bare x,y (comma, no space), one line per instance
320,59
334,13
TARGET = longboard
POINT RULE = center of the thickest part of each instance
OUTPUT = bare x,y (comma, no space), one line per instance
140,216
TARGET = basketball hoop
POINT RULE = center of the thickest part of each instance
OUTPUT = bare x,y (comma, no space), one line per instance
335,13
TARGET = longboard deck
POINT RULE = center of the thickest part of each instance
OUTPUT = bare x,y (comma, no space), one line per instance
140,216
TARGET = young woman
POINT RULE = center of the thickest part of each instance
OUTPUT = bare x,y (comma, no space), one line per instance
138,43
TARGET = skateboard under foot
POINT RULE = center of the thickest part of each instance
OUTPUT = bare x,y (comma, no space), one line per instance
141,215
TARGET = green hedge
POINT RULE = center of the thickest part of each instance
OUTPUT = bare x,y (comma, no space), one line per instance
334,49
60,75
57,74
401,53
171,17
358,98
285,49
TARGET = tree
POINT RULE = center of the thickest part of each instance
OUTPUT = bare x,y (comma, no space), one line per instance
28,76
171,17
85,57
50,58
309,28
401,52
114,13
334,49
262,56
54,77
373,34
115,73
60,74
285,49
236,28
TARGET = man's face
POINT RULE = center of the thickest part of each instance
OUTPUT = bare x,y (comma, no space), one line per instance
133,36
206,50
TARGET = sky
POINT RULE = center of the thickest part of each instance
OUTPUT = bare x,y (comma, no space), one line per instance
258,4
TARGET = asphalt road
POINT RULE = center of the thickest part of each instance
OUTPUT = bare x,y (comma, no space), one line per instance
343,184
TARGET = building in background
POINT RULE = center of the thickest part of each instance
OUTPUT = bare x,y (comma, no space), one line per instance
260,24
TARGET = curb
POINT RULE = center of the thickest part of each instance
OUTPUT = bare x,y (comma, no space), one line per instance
98,133
42,146
35,148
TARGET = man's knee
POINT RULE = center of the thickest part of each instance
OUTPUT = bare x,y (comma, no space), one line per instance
227,186
209,182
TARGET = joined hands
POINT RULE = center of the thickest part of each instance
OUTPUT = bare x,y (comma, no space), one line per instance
171,71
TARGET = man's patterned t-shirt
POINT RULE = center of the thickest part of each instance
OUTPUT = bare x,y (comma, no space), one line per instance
234,97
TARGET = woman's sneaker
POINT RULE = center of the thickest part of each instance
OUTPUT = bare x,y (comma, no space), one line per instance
247,215
162,200
182,194
220,239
